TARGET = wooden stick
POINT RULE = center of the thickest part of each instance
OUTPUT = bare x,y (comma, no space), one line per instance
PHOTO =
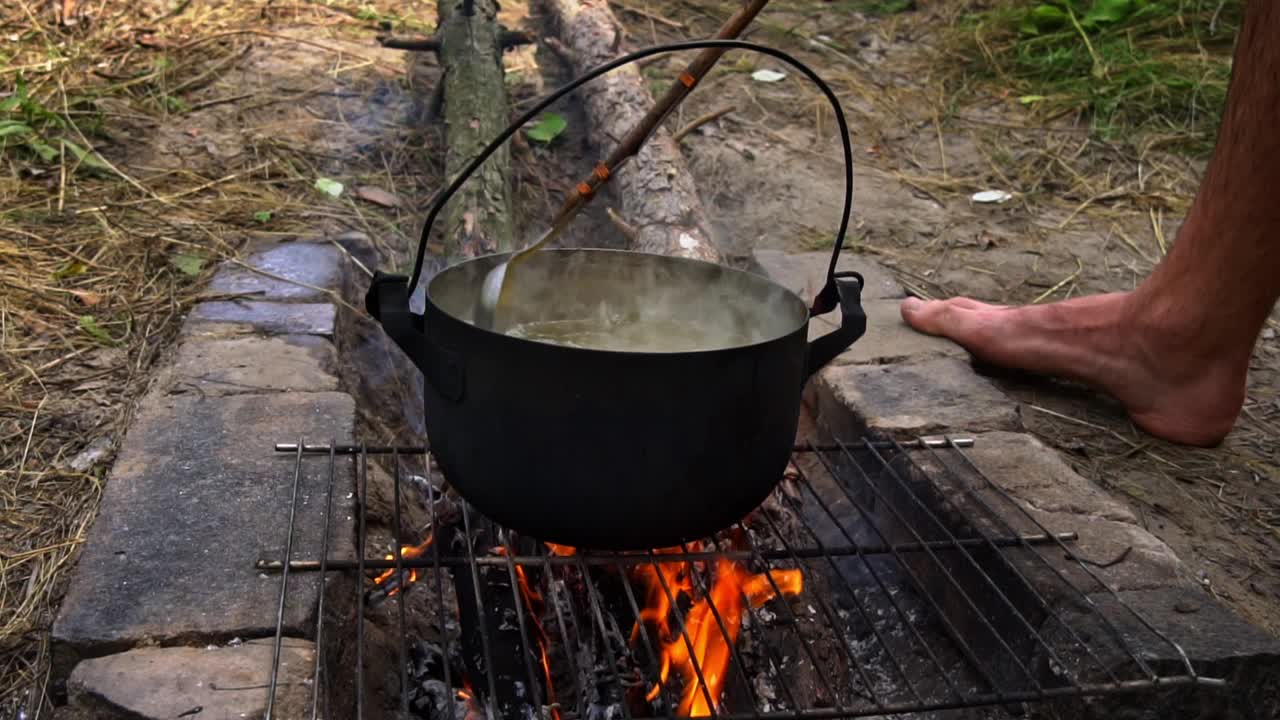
709,117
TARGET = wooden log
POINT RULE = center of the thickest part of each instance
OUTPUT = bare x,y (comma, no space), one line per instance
657,193
507,39
478,219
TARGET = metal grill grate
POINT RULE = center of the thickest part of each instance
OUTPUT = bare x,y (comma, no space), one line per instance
926,588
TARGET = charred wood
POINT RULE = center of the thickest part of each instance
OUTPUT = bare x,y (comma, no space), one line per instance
491,633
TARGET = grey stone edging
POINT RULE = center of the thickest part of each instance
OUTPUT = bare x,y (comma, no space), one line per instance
197,493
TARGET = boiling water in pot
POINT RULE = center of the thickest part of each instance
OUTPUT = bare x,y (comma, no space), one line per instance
632,334
627,302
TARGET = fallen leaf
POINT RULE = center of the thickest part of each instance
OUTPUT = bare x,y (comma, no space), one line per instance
378,196
768,76
88,298
104,358
332,188
96,452
187,263
548,127
71,269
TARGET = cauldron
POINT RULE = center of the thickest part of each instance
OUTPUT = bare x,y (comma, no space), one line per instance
617,449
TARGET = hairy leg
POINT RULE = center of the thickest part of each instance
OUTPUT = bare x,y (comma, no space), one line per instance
1175,351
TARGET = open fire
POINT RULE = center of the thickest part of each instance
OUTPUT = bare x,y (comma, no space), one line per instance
711,625
695,643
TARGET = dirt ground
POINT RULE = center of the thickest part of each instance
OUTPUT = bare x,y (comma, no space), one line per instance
283,94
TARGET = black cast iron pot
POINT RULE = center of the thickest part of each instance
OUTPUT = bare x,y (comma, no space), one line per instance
611,449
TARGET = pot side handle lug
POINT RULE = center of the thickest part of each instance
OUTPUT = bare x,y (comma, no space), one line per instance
853,320
387,301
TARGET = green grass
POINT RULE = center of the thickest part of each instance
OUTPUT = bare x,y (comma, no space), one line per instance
876,7
32,132
1153,69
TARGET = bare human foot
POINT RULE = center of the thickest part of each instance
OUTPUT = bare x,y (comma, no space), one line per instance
1175,351
1173,384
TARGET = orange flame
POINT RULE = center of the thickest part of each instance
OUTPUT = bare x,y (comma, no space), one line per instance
407,552
561,550
707,648
474,711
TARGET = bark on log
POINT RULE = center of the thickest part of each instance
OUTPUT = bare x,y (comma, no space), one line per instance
478,219
657,192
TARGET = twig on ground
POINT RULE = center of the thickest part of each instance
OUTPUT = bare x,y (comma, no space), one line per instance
703,120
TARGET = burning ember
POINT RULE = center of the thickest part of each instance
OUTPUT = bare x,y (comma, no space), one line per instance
707,648
702,646
407,552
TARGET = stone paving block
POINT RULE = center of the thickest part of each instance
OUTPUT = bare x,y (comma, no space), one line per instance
1121,555
300,264
239,365
1037,475
1218,643
888,338
225,317
196,496
906,400
805,273
209,683
1045,492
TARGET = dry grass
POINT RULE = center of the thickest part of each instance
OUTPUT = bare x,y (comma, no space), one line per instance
108,226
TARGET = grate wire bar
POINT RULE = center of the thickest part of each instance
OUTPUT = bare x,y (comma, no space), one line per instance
905,612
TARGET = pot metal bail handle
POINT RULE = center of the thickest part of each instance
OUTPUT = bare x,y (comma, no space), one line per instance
853,323
826,300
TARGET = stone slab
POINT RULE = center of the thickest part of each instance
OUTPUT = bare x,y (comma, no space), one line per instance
1218,643
906,400
1036,474
197,494
805,273
251,364
209,683
226,317
887,339
295,266
1042,491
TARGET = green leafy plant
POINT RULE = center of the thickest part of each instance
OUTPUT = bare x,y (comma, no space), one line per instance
262,216
28,128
